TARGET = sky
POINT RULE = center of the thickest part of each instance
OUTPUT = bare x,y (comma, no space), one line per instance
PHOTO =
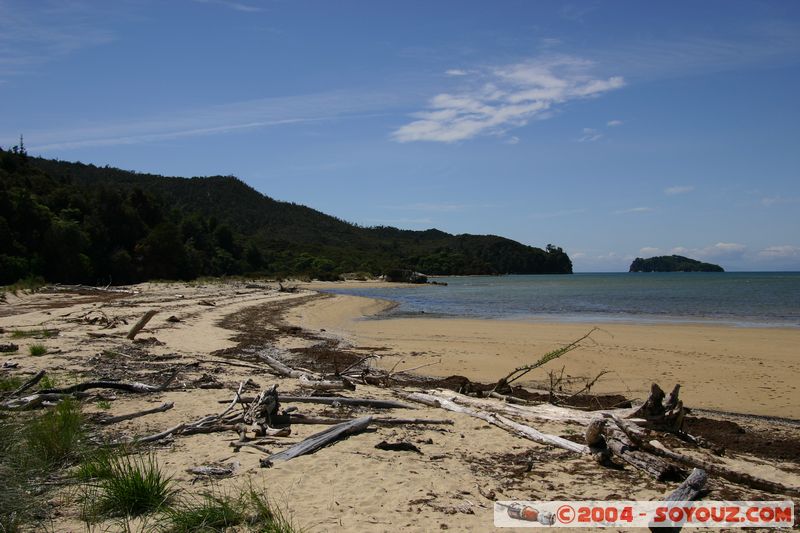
612,129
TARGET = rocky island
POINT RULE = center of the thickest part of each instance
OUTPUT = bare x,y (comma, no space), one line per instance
672,263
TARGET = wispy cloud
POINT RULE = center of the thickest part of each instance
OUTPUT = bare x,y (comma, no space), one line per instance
786,251
430,207
614,123
770,201
678,189
720,250
212,120
590,135
506,97
32,34
456,72
634,210
557,214
237,6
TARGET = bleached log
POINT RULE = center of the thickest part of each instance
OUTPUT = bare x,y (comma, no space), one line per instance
542,411
318,440
331,400
741,478
141,324
323,384
298,419
281,368
114,419
501,422
691,489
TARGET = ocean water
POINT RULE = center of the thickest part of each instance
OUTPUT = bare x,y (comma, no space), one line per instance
763,299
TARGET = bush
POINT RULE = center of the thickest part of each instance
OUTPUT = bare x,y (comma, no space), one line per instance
55,437
37,350
132,486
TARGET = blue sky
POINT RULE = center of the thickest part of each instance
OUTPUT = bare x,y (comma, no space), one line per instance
613,129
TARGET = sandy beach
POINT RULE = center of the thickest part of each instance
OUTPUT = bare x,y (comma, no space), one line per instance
350,485
741,370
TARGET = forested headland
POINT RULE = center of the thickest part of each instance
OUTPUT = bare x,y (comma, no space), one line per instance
79,223
672,263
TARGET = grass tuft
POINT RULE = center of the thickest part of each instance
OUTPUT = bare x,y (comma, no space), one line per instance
55,437
212,513
37,350
265,517
8,384
36,333
132,486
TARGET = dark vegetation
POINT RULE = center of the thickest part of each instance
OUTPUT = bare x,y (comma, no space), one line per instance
78,223
672,263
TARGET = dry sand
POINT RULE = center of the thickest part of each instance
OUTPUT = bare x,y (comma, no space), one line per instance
742,370
351,486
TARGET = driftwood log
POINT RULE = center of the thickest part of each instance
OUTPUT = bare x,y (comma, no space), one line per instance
691,489
130,416
115,385
334,400
318,440
141,324
499,421
654,447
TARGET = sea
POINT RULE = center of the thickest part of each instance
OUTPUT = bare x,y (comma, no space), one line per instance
746,299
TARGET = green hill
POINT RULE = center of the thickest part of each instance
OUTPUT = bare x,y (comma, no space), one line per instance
73,222
672,263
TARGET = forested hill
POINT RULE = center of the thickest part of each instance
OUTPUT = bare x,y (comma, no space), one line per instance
72,222
672,263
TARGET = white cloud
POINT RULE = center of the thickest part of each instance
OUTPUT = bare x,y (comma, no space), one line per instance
432,207
649,251
786,251
778,200
236,6
513,140
634,210
614,123
678,189
456,72
210,120
507,97
590,135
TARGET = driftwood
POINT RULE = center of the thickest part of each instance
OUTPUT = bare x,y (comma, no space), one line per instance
262,411
115,385
302,419
39,399
318,440
114,419
504,384
215,471
326,385
397,447
691,489
499,421
206,424
355,402
141,323
28,384
656,448
666,416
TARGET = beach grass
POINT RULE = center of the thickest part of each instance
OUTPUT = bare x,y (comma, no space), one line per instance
37,350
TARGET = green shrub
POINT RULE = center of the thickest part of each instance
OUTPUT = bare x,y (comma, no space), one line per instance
37,350
133,486
55,437
10,383
211,514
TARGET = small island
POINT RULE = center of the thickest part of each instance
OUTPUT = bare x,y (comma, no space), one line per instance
672,263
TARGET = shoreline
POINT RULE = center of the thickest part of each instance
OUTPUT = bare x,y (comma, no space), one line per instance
745,370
